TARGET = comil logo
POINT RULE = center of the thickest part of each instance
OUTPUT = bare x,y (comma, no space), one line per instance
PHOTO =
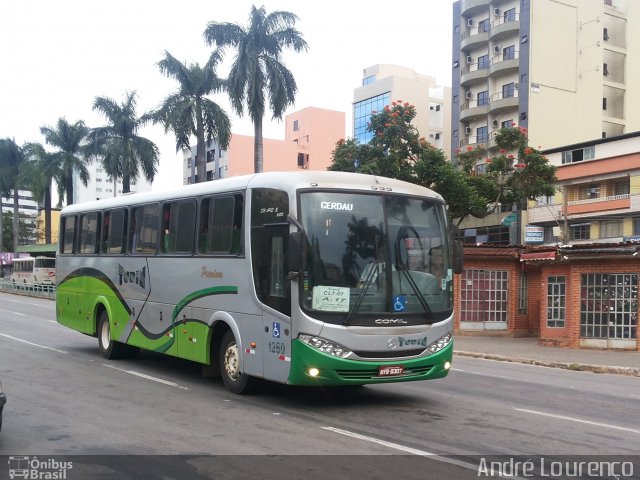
40,469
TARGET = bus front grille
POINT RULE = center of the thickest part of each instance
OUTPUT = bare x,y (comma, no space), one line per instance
369,373
395,354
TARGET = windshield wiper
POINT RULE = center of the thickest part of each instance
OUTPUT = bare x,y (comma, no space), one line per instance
416,290
373,269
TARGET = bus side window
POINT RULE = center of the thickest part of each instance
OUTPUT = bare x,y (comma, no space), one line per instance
145,223
113,231
89,223
68,234
178,227
221,225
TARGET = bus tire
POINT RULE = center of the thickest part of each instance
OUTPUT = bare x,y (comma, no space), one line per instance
109,348
234,380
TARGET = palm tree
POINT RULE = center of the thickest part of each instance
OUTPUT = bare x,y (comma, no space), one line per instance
188,112
257,71
12,162
122,151
70,154
41,169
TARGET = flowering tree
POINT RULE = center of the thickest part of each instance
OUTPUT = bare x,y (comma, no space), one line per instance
517,172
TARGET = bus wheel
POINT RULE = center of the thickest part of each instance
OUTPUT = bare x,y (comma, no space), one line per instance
110,349
234,380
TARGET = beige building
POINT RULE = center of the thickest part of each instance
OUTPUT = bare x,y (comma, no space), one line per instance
383,84
311,135
564,69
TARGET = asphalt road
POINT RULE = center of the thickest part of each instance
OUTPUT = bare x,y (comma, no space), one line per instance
65,399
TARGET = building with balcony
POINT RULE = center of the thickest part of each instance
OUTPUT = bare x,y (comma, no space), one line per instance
101,185
383,84
566,70
597,196
311,135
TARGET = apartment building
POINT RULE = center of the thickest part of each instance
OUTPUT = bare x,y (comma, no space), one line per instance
383,84
597,196
101,185
563,69
311,135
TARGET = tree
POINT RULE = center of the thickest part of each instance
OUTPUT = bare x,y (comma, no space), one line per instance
12,162
27,226
188,112
397,151
40,170
122,152
70,154
257,72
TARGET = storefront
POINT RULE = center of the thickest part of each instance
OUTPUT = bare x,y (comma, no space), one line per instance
583,296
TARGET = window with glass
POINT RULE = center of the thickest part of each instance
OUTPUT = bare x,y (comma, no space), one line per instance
145,226
580,231
507,124
373,255
178,226
611,228
609,305
484,25
483,62
510,15
482,134
508,90
88,240
68,234
114,231
483,97
523,293
509,53
368,80
556,301
362,112
221,225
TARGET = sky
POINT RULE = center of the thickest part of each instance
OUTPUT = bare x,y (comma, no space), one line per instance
56,56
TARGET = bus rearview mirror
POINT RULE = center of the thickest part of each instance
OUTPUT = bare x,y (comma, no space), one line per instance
295,252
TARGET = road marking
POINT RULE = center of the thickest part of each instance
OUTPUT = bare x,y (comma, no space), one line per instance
579,420
414,451
18,313
148,377
31,343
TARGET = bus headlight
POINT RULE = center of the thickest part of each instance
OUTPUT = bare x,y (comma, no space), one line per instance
325,346
440,343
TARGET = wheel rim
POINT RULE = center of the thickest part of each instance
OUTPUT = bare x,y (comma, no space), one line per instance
232,361
105,335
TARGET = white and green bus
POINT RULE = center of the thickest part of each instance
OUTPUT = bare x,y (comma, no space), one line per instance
304,278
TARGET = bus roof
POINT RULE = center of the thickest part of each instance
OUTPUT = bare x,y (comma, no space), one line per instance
283,180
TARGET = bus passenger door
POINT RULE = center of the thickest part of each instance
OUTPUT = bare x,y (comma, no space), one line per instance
269,242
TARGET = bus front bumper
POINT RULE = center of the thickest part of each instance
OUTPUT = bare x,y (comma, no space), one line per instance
332,370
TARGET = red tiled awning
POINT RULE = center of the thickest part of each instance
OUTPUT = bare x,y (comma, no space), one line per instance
527,257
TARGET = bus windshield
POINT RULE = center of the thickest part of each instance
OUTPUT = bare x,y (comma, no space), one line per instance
375,255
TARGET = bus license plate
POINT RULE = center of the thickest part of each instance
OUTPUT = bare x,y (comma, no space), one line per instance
390,370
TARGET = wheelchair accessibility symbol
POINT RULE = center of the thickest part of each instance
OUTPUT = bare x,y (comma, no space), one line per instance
399,303
276,330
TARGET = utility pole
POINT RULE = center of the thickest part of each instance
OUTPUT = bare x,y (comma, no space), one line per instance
565,220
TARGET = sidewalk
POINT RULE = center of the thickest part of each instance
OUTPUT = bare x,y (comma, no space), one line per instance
527,350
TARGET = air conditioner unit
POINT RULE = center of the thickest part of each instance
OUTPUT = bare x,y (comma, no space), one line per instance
515,86
468,95
467,130
469,59
496,49
494,123
496,12
469,22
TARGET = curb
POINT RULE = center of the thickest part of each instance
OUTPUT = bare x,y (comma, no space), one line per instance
580,367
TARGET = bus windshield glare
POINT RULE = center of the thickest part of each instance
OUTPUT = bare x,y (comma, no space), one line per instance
373,255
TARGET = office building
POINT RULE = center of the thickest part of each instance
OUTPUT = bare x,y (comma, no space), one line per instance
383,84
